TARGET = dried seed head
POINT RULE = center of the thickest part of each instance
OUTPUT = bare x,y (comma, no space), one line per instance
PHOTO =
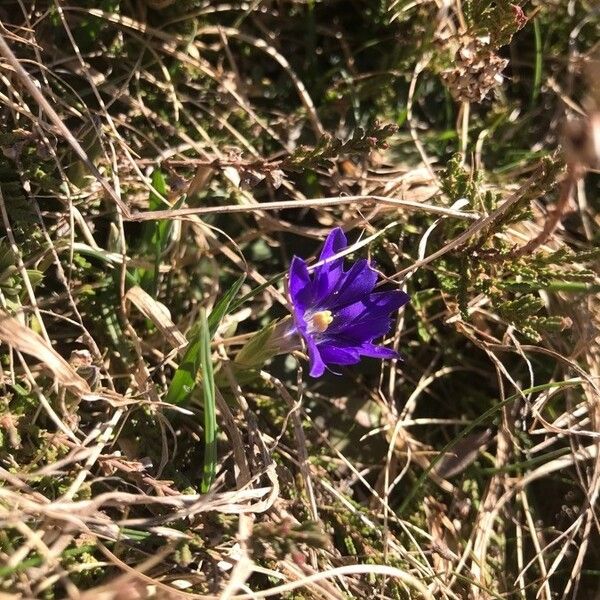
476,72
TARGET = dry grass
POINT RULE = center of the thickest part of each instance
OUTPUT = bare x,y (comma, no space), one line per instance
151,156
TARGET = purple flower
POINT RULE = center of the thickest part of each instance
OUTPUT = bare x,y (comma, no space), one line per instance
336,311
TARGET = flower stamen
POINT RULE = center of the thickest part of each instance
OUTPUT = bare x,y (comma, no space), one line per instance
321,320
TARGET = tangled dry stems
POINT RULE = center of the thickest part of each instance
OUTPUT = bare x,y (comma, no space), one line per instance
112,498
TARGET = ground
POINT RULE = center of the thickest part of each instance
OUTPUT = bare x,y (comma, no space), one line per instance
162,162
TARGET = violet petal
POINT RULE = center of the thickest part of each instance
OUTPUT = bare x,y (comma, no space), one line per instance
300,285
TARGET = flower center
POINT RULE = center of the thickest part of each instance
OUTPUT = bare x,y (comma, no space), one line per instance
321,320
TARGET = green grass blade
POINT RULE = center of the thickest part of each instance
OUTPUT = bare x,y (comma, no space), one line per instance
210,413
111,259
184,380
257,290
155,234
223,306
36,561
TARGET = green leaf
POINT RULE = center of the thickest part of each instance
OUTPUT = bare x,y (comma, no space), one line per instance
210,413
198,360
155,234
159,185
110,259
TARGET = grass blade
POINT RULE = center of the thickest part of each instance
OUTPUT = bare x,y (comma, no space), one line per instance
210,413
481,420
184,380
259,288
223,306
156,234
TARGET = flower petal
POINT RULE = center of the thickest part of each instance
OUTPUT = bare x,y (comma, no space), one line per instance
317,365
300,286
338,355
387,302
364,331
335,241
368,319
378,305
355,285
328,275
378,351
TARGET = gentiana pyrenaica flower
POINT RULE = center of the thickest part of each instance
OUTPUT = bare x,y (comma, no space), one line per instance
336,311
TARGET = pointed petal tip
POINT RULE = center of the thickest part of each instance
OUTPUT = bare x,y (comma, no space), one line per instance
337,233
388,301
317,365
317,371
401,299
355,284
298,273
405,297
381,352
296,260
334,242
